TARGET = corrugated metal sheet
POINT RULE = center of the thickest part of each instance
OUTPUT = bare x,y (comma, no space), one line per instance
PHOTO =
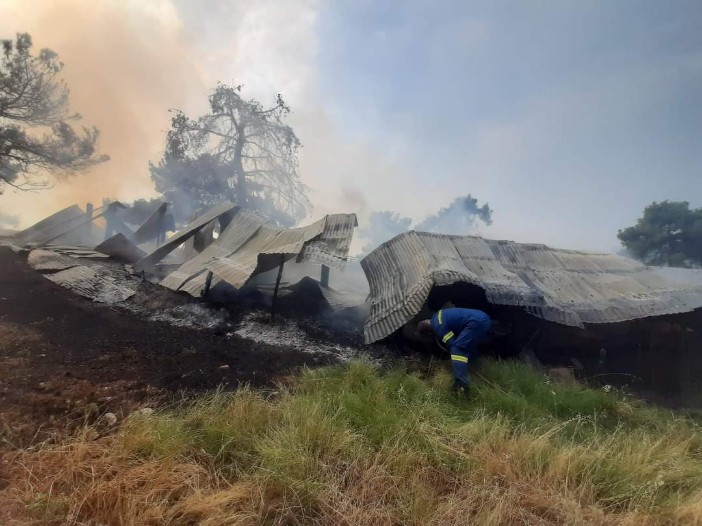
73,251
348,287
50,261
249,245
95,283
68,226
332,248
564,286
183,235
161,221
52,225
196,244
121,249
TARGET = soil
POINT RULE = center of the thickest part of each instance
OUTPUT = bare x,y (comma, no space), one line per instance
65,360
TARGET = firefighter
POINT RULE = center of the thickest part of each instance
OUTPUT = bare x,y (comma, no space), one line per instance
458,331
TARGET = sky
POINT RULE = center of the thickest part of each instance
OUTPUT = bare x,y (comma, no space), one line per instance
567,117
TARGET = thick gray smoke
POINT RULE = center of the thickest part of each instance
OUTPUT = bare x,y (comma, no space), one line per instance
381,227
459,218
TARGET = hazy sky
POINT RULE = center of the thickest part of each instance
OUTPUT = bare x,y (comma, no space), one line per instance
567,117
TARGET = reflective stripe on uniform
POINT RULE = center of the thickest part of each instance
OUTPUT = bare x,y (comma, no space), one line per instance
459,358
440,320
448,336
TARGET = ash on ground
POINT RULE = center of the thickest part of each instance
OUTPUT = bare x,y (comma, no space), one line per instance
193,315
257,326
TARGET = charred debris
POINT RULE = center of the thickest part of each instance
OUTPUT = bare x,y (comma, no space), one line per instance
601,317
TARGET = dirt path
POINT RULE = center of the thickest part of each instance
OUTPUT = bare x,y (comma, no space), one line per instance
64,359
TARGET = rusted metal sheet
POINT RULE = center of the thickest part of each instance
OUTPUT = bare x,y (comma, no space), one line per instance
249,246
564,286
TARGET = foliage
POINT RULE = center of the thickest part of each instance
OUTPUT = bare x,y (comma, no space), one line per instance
240,151
669,234
354,445
35,134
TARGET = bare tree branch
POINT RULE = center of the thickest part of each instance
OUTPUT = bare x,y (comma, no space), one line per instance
241,151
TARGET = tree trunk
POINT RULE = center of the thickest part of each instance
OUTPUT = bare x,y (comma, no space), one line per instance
242,194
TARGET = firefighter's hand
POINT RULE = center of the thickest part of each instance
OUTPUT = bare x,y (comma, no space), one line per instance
459,389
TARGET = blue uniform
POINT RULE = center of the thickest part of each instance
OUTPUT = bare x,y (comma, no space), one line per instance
460,330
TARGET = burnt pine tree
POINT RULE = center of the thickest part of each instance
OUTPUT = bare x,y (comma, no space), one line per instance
241,151
36,138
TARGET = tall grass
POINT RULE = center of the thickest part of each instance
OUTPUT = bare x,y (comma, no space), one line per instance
352,445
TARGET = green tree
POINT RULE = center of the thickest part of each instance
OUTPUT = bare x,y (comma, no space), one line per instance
35,135
669,234
241,151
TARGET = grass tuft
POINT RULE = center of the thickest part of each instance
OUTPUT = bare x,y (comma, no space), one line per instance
354,445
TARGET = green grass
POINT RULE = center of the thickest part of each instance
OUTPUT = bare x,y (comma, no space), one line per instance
355,445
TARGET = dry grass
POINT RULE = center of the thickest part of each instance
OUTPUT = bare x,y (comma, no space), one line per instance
355,447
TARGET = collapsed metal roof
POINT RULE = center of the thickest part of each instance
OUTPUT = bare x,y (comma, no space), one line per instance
75,227
564,286
249,245
70,226
84,277
180,237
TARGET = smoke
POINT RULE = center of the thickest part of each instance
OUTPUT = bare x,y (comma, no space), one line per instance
128,62
381,227
459,218
125,64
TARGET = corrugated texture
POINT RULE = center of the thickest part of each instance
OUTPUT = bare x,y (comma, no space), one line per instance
249,245
68,226
183,235
332,248
96,283
76,252
564,286
52,225
191,274
50,261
